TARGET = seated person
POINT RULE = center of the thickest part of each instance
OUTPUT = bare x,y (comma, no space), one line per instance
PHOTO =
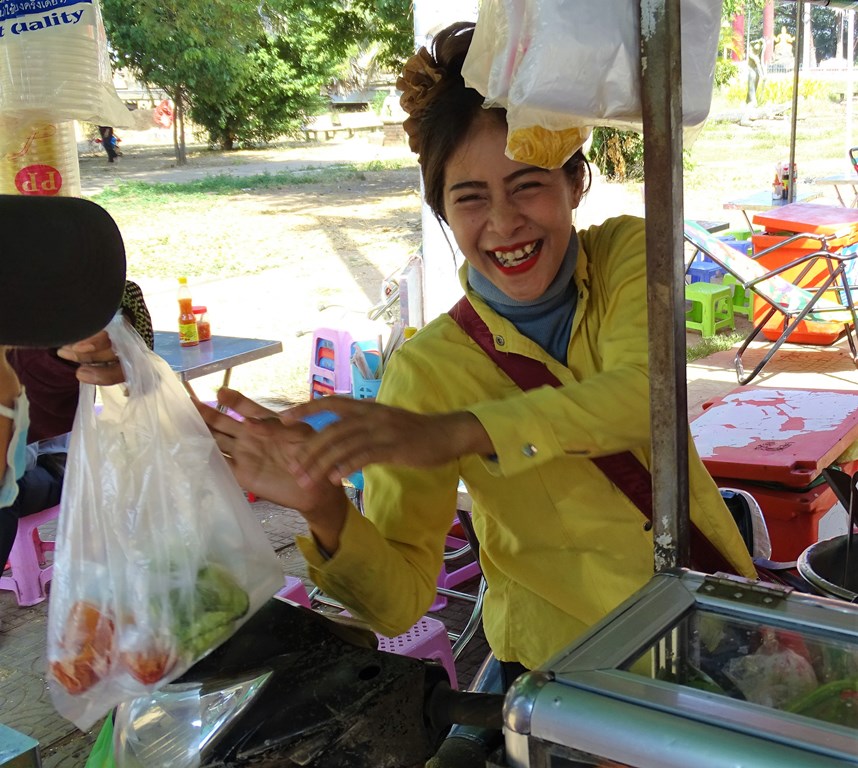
51,380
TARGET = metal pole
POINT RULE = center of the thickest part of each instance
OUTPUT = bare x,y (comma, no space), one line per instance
799,45
661,98
850,78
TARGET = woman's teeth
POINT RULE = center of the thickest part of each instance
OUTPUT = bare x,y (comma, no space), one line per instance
514,258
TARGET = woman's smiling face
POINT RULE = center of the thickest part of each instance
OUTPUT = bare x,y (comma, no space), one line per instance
512,221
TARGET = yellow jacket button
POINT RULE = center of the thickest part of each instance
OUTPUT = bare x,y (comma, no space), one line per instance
529,450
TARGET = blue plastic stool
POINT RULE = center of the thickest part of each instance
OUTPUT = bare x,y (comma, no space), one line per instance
704,271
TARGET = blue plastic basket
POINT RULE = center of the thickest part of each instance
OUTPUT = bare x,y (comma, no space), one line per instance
363,388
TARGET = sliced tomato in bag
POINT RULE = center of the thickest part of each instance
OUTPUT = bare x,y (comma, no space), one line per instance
86,648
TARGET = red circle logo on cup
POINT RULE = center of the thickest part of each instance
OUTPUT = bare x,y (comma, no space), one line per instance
38,180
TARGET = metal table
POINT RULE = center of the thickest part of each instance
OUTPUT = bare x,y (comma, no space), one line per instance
837,180
220,353
762,201
713,226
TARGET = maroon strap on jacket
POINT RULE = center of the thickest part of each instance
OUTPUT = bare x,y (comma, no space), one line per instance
623,469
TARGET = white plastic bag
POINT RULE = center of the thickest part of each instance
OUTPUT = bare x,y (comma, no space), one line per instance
55,65
560,66
159,557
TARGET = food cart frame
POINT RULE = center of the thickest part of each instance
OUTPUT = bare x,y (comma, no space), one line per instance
661,98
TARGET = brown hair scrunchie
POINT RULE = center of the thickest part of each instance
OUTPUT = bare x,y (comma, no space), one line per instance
420,75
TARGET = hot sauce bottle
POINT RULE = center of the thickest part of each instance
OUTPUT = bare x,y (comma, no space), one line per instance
204,329
188,334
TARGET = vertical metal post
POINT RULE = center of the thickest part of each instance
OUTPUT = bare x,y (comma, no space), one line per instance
799,45
850,77
661,97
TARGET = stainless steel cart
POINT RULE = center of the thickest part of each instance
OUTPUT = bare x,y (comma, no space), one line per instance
697,671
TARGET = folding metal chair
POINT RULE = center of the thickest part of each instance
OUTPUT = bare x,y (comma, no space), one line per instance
831,301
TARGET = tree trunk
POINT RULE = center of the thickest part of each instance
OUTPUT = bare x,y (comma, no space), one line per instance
179,127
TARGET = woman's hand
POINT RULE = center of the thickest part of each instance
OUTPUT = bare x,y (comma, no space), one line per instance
367,432
261,450
10,388
98,363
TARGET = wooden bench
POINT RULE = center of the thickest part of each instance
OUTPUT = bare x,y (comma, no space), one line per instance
348,123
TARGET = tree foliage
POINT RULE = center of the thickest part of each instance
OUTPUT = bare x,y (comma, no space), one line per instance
248,72
187,47
392,26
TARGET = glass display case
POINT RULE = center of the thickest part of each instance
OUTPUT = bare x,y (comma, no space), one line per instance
699,671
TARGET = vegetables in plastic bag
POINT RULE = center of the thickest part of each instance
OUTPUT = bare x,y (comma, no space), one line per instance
835,702
774,674
159,557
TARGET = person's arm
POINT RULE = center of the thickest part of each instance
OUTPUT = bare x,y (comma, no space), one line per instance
14,423
96,361
52,382
10,389
261,451
603,413
371,433
598,415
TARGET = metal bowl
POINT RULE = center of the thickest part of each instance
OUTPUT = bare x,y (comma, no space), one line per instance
823,563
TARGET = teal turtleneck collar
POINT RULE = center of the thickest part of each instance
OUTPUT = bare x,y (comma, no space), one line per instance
546,320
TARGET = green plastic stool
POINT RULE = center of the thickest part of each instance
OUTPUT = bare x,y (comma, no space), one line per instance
711,308
743,301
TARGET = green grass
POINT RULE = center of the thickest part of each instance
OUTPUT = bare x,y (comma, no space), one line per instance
190,228
153,194
729,157
712,344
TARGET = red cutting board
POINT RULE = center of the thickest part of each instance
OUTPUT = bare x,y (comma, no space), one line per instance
785,436
810,217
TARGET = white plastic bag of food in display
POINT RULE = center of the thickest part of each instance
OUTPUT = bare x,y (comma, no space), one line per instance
54,63
159,556
559,66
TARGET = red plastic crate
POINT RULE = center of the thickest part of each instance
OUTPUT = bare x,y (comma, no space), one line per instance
792,516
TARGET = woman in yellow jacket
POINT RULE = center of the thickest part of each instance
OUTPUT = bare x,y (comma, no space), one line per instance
560,544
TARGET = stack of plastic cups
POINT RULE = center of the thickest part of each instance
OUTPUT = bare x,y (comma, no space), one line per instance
38,158
54,68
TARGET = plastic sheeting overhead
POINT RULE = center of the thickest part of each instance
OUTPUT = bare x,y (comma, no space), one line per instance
54,63
559,66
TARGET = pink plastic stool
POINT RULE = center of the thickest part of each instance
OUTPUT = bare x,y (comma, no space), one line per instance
295,591
30,571
448,579
427,639
330,363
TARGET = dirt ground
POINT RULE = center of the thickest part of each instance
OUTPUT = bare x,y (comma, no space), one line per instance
302,256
